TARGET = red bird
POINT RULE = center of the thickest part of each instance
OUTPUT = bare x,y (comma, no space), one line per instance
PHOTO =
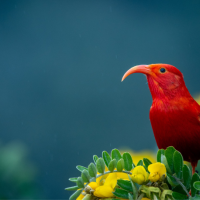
174,114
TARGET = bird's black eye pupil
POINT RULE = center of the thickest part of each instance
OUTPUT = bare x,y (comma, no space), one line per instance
162,70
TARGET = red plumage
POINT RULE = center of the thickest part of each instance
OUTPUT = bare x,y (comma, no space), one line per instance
174,114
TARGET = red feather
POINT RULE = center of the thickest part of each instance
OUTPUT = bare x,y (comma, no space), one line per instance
174,114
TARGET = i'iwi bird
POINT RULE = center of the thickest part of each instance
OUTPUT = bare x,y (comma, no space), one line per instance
174,114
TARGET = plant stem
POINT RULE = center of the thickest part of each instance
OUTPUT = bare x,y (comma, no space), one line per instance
184,188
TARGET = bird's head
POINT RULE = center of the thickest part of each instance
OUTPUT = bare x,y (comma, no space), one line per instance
164,80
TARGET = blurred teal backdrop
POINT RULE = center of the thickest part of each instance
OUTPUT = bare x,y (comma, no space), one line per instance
61,63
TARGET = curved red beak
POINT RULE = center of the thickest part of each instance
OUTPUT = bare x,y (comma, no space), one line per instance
144,69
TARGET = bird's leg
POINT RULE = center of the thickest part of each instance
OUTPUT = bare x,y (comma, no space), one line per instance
194,164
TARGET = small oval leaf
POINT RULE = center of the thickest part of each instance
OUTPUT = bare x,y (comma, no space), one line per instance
124,184
92,170
120,165
121,193
140,163
196,185
85,176
146,162
128,162
169,153
112,165
81,168
164,161
74,179
75,195
100,165
187,176
80,182
106,157
115,154
195,178
178,164
72,188
95,157
159,153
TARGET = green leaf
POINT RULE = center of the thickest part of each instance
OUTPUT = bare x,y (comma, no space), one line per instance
159,153
187,176
115,154
130,197
124,184
106,157
92,170
128,162
81,168
169,152
179,189
164,161
145,189
195,178
164,193
75,195
172,181
120,165
155,190
100,165
196,185
140,163
179,196
134,188
95,157
197,197
85,176
80,182
178,164
121,193
73,179
72,188
112,165
147,162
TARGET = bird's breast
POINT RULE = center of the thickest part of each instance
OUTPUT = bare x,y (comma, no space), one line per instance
175,124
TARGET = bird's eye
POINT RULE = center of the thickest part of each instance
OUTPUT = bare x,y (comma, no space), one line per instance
162,70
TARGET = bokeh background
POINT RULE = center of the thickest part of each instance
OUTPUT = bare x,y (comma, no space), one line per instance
62,100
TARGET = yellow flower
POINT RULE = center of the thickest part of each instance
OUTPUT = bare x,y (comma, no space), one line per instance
93,185
139,175
106,190
157,170
144,198
80,197
103,187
